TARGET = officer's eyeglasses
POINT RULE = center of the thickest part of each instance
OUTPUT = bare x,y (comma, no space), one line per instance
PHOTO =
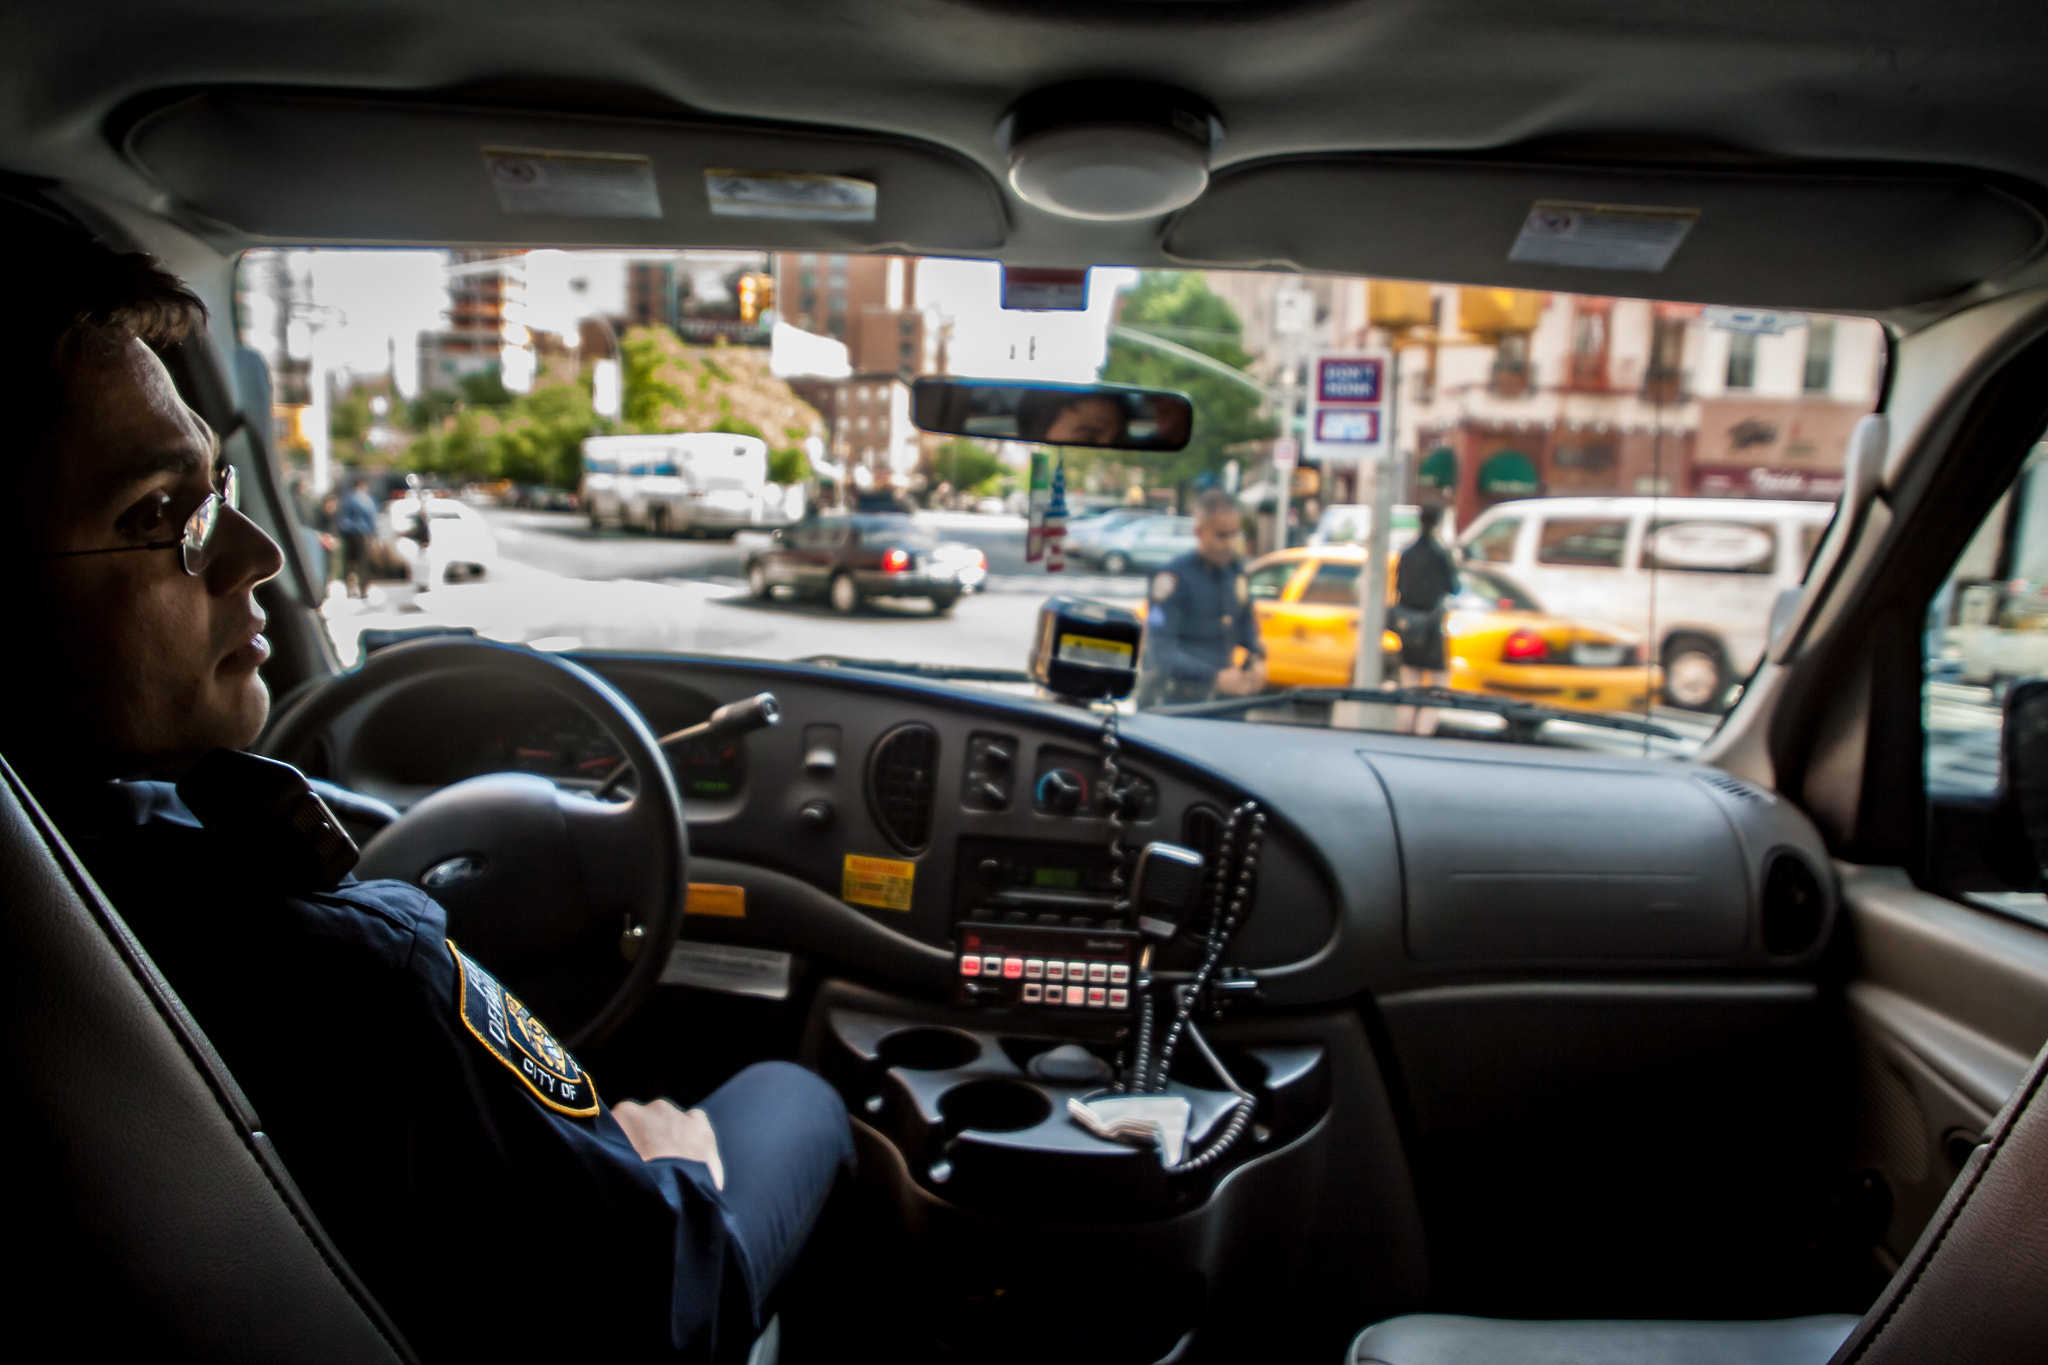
195,545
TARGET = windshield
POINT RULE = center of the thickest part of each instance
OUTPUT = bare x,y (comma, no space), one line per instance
712,452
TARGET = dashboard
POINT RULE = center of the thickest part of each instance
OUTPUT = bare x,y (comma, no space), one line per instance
888,822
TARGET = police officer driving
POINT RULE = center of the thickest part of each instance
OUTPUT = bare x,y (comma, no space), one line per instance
1201,616
492,1217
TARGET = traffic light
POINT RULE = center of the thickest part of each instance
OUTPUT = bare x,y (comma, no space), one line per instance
757,295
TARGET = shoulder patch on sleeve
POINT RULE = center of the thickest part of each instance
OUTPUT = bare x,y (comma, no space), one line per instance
1244,590
507,1029
1163,584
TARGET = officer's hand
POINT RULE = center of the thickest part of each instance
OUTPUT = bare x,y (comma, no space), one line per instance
660,1129
1255,674
1235,682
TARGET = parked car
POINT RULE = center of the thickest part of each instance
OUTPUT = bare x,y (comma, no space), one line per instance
1141,545
1084,534
1351,523
1717,564
849,558
1497,638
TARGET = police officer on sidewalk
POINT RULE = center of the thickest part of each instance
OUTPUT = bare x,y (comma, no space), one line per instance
1201,615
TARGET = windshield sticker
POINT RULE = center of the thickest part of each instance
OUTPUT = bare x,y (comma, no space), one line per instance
881,882
507,1029
709,898
572,184
789,195
1602,236
759,972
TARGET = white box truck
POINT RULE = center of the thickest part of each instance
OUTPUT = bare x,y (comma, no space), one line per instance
688,482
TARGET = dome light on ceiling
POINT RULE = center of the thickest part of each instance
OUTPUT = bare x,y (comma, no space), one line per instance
1109,152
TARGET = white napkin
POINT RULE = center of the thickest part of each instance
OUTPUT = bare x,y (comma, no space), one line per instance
1160,1120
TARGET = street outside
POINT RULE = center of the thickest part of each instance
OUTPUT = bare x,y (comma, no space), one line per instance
560,585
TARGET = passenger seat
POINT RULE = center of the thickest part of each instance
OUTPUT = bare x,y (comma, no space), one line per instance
1974,1289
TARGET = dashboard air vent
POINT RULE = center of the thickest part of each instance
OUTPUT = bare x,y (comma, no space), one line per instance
903,785
1730,785
1795,907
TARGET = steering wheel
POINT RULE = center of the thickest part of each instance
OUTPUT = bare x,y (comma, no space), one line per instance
550,889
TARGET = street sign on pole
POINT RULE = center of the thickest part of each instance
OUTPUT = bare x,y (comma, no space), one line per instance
1285,454
1347,407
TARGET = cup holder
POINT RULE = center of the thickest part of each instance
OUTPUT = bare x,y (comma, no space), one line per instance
929,1049
996,1105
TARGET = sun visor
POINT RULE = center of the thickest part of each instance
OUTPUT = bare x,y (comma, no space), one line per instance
1840,241
357,170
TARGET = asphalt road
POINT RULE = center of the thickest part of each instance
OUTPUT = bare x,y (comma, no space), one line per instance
561,585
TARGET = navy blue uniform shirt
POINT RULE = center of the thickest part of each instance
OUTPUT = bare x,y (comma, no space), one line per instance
1200,614
491,1223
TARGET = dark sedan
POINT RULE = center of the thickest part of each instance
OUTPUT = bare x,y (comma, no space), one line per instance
849,558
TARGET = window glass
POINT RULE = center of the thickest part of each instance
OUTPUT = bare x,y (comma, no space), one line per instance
1687,546
1986,628
1335,585
1490,592
1584,542
1742,360
1603,419
1267,583
1820,355
1496,543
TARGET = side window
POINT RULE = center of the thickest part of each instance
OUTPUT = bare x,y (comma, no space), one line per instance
1987,631
1335,585
1495,544
1711,547
1582,542
1268,583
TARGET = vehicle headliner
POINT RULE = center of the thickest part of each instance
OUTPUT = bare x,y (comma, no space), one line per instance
1743,87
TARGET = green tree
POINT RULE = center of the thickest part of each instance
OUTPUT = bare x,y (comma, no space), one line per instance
968,465
1182,307
645,389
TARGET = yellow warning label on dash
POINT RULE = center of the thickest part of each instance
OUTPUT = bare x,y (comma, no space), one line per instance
881,882
710,898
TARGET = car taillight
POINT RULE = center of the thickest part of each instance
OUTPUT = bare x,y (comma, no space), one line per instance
1525,647
896,561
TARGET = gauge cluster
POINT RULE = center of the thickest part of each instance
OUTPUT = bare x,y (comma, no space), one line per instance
441,736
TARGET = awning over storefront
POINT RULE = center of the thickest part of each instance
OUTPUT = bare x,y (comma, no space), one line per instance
1508,474
1439,470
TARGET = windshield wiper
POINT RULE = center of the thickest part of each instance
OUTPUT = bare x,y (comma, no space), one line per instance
943,672
1524,718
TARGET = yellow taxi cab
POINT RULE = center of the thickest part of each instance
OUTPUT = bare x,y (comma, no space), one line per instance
1498,640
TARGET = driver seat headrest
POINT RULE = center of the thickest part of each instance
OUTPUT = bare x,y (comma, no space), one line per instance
144,1185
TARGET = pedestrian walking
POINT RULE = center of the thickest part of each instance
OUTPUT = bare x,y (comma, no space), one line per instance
1424,580
355,521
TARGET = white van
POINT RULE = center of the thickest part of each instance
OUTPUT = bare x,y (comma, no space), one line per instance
680,481
1718,565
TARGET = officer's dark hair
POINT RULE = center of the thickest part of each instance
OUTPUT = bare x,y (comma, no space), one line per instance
1430,517
1213,502
78,293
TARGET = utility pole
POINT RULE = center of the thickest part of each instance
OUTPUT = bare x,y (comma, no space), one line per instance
1368,667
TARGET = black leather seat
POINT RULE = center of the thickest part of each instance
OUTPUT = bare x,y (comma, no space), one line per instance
146,1212
1974,1291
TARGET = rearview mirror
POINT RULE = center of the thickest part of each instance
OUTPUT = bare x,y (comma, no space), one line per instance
1106,416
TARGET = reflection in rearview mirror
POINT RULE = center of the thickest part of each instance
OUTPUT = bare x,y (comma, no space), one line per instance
1108,416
